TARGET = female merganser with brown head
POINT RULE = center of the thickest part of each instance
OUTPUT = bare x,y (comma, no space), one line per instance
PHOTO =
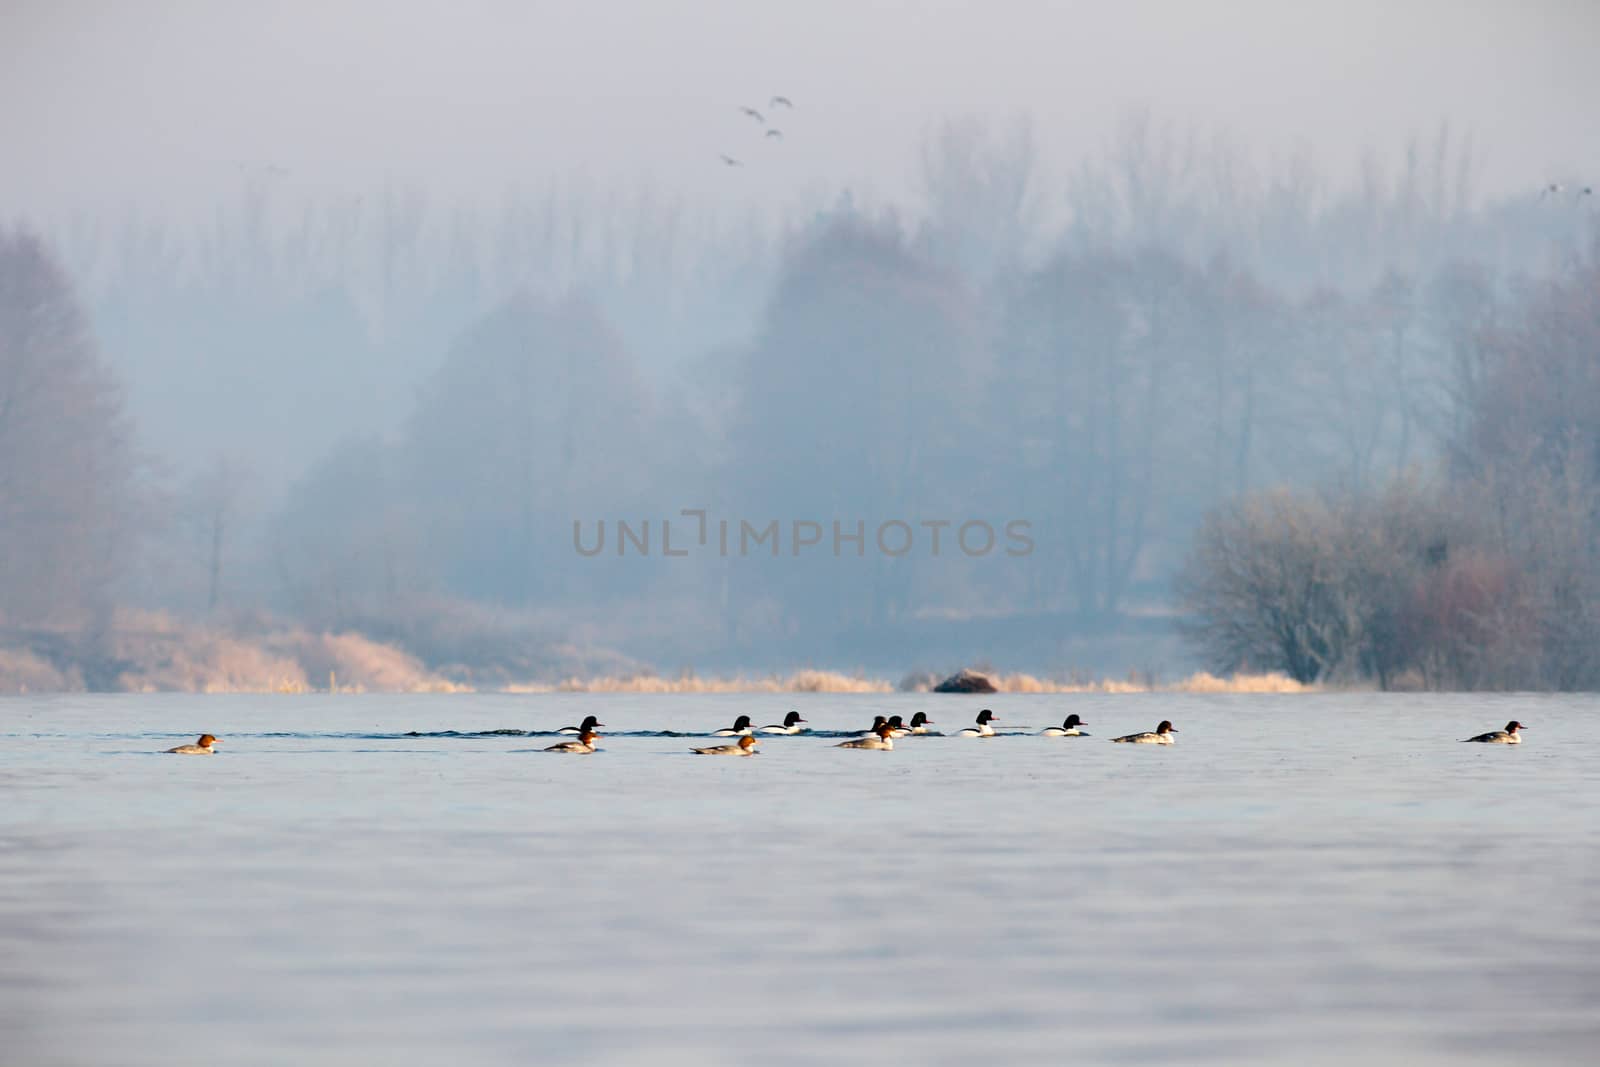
1162,735
1508,736
791,725
203,747
878,739
589,723
582,746
983,729
740,727
745,747
1066,729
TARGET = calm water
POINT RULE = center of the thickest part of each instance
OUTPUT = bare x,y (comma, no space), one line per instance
1309,879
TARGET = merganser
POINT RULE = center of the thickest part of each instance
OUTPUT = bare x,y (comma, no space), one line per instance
1161,736
919,722
879,739
983,729
589,723
582,746
878,722
203,747
740,727
791,725
1066,729
897,727
1508,736
745,747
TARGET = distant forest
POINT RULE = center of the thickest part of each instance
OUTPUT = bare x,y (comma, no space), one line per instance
1253,416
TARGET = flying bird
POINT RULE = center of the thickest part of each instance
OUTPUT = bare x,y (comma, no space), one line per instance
781,101
753,113
730,161
775,133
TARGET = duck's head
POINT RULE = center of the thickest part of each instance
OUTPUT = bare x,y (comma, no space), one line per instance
986,716
207,739
896,723
1166,727
742,722
1513,726
884,731
1073,720
589,723
793,718
920,719
878,721
747,742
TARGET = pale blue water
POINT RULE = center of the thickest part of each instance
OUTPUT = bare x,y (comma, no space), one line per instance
1305,879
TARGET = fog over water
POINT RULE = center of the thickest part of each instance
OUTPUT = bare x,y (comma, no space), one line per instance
372,304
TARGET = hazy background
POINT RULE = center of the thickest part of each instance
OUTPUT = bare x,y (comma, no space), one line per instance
395,292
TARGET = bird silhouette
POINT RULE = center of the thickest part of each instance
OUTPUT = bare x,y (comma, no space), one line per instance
753,113
730,161
775,133
780,101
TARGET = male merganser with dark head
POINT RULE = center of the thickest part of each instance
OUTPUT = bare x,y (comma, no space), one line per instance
919,722
897,726
1508,736
582,746
791,725
1067,729
983,729
740,727
878,739
745,747
203,747
1162,735
589,723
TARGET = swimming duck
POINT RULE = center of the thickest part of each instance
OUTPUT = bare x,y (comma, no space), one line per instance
878,739
1508,736
740,727
203,747
1162,735
1069,728
582,746
983,729
919,722
745,747
791,725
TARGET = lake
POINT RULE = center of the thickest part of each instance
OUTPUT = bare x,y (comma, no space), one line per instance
1307,879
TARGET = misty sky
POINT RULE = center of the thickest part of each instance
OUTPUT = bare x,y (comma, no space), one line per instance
157,104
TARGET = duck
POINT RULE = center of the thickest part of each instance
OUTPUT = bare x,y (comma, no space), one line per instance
1069,728
1161,735
878,722
745,747
920,722
589,723
897,727
206,746
582,746
1508,736
878,739
791,725
740,727
983,729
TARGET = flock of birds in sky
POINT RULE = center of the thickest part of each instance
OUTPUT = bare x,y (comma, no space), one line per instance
769,132
880,736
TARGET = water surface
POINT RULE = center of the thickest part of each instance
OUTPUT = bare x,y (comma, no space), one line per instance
1300,879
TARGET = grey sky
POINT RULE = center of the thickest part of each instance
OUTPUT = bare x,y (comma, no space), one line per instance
157,103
